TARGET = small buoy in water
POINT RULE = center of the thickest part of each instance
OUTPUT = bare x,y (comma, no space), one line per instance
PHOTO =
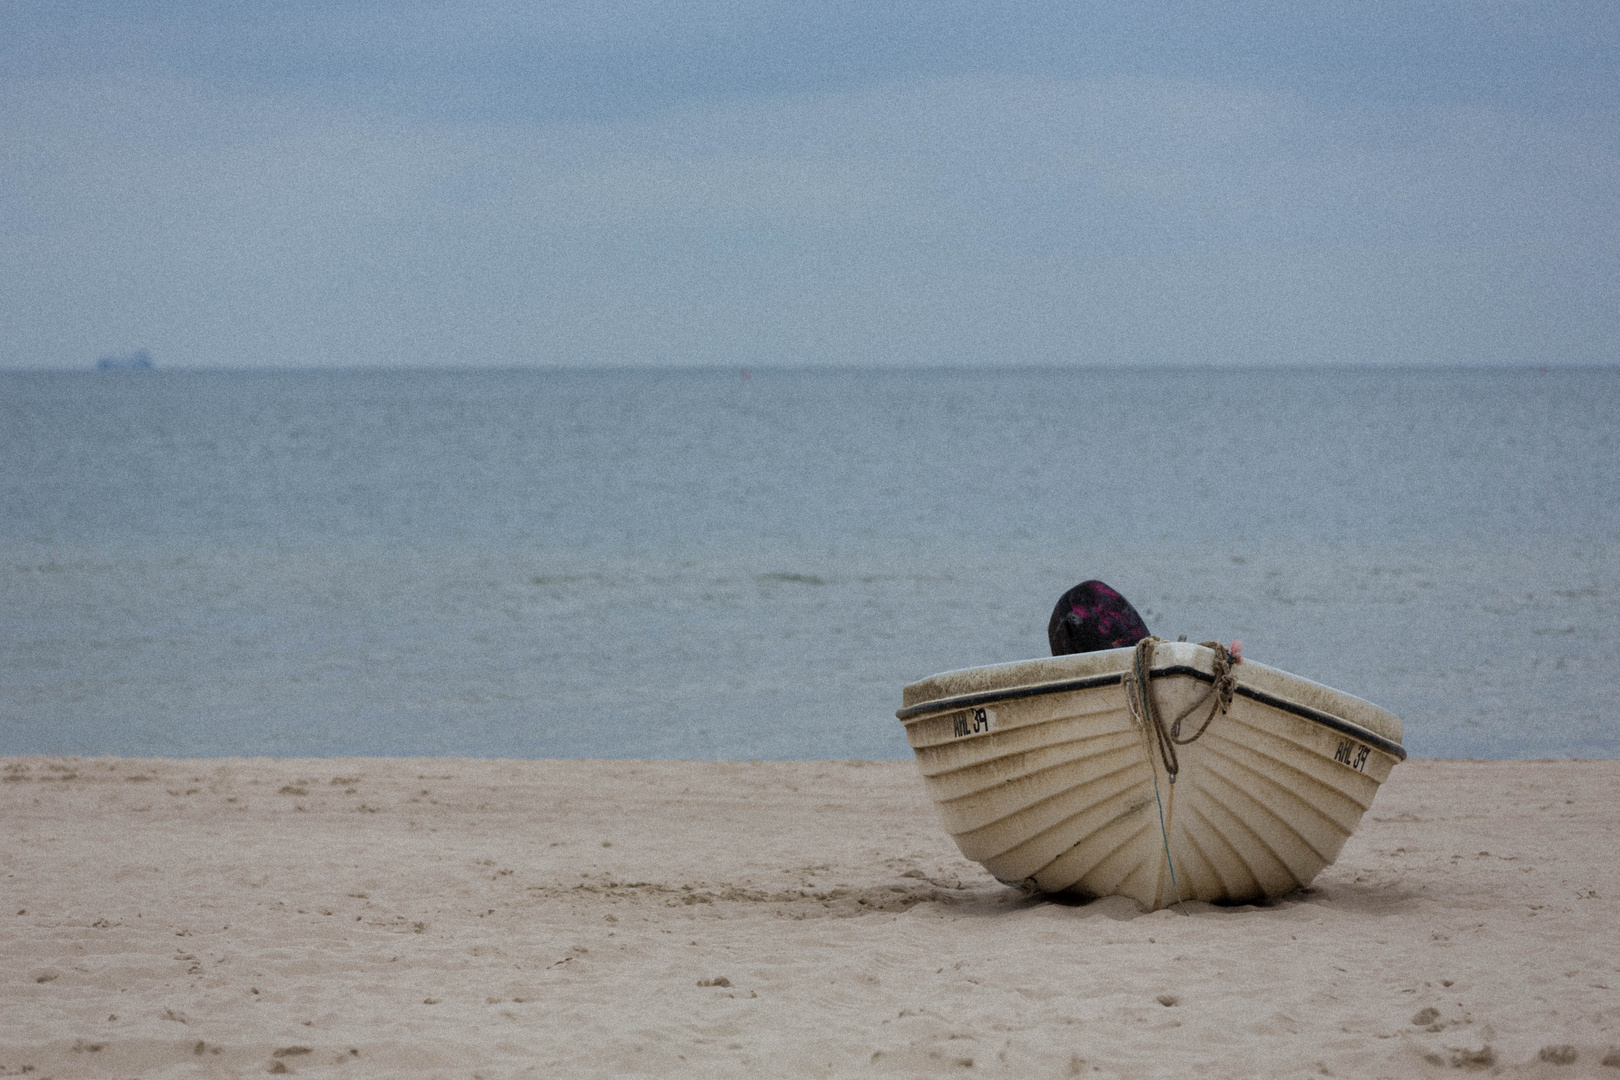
1091,617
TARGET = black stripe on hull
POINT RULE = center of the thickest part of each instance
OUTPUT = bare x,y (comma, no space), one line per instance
1327,720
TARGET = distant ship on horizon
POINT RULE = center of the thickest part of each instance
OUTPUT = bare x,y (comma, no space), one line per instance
139,360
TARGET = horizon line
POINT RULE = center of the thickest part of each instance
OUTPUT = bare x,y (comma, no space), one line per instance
752,369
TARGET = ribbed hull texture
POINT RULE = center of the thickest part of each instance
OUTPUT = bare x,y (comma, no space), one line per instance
1059,795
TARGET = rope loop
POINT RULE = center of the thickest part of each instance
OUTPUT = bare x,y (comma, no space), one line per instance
1139,699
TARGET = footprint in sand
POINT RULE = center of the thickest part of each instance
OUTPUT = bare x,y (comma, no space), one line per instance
1466,1058
1562,1054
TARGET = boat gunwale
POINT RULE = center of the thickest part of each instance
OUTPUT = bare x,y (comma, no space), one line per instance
1092,682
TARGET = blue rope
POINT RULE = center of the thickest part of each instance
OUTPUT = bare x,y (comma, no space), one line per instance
1147,716
1165,833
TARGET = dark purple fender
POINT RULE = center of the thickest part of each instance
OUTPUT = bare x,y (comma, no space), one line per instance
1091,616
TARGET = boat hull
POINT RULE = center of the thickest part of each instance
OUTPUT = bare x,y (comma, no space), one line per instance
1053,786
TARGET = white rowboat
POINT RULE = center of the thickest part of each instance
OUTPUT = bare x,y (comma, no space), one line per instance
1041,773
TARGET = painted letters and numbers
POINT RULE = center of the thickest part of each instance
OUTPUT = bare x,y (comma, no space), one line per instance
1353,754
972,722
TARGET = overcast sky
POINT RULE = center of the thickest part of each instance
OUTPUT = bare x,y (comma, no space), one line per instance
337,183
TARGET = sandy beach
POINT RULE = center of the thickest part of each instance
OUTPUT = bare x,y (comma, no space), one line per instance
459,918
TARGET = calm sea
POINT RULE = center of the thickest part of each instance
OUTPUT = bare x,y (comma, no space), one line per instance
693,564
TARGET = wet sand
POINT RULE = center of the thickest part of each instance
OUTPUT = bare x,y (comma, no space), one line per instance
379,917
